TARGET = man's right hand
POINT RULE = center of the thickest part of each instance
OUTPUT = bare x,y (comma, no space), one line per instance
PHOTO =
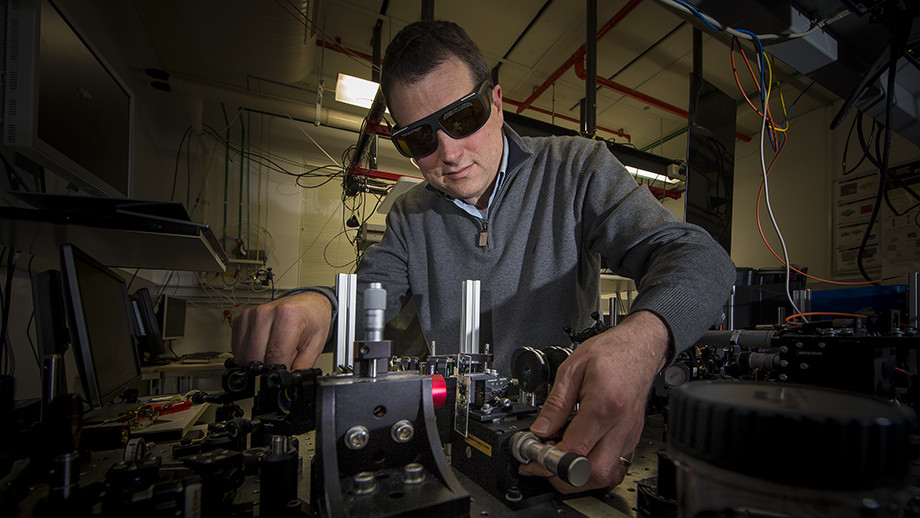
291,331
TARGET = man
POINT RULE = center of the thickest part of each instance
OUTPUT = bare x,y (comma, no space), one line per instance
531,219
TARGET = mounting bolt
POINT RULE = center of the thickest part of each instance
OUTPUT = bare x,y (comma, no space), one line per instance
402,431
365,483
413,473
356,437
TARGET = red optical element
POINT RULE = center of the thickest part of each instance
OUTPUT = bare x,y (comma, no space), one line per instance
438,390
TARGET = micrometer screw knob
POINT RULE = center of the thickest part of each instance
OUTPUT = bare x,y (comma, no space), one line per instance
571,468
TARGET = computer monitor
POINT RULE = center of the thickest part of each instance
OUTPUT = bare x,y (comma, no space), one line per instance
146,326
64,107
171,313
98,316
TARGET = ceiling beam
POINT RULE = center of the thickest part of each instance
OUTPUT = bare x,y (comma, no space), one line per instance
651,101
578,55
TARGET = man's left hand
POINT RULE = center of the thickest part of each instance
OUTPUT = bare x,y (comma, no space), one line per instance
610,376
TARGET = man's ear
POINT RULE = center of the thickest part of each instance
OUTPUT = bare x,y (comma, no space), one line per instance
497,101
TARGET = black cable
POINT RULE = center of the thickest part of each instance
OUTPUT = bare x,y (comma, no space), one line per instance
32,319
878,163
864,144
846,146
12,259
132,279
882,183
188,172
172,193
271,164
38,362
331,240
12,171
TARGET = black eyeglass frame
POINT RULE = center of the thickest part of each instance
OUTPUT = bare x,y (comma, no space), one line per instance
482,94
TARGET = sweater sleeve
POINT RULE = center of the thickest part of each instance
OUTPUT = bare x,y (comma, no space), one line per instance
682,274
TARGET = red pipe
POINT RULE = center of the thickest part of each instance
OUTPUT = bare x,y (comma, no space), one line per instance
380,175
657,103
578,56
566,118
629,92
338,48
382,130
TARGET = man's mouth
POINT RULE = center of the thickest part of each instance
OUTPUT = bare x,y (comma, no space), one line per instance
459,173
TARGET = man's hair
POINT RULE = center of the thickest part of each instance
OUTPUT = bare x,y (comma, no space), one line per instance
420,47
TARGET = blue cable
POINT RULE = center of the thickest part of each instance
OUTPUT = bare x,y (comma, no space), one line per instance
761,57
694,11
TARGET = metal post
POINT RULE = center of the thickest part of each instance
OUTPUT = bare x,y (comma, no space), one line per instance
427,10
469,318
346,292
590,115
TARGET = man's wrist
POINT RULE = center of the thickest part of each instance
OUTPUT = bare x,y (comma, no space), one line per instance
655,332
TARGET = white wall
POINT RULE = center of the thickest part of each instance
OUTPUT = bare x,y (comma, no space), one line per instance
801,191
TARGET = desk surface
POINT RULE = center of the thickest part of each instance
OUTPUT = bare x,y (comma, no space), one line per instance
169,427
216,364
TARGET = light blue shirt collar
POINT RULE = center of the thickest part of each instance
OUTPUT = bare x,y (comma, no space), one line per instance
476,211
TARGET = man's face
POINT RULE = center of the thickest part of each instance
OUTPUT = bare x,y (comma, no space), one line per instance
463,168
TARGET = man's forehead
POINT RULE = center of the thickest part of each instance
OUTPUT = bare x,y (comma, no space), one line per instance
446,73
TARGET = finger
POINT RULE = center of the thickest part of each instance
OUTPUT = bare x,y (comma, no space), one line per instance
592,422
288,333
259,325
306,356
245,346
606,468
561,400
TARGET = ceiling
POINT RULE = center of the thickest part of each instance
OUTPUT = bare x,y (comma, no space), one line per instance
649,49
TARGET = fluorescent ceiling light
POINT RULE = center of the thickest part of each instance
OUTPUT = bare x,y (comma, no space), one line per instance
635,171
355,91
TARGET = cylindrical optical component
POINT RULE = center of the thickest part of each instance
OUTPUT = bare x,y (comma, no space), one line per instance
572,468
375,305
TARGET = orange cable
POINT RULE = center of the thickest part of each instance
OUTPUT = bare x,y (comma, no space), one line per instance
816,313
780,259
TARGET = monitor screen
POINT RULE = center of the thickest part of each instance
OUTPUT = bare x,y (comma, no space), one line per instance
172,317
146,326
98,315
65,109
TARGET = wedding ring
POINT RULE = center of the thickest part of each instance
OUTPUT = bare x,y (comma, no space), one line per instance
625,462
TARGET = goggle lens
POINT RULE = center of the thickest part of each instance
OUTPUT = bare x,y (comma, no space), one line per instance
458,120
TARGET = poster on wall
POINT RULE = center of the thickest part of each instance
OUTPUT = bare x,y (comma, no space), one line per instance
894,245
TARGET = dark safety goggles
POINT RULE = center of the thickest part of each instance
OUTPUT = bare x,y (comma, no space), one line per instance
460,119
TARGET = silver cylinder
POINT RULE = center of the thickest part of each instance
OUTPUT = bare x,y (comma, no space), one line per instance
375,304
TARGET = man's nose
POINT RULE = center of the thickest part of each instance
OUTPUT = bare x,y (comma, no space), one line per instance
449,149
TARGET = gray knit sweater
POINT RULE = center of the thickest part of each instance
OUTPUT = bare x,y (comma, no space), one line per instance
564,203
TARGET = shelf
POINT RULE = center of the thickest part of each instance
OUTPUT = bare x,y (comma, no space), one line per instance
117,233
